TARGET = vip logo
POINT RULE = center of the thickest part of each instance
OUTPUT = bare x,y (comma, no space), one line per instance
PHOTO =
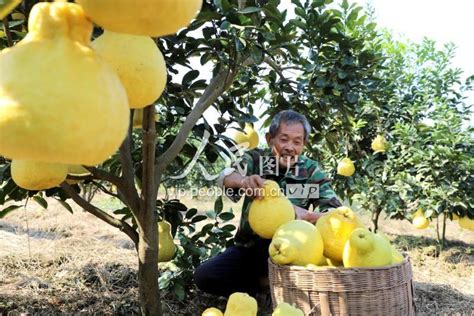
302,191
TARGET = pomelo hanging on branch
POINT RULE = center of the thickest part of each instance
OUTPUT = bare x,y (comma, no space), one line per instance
346,167
379,144
59,102
247,138
139,64
142,17
37,175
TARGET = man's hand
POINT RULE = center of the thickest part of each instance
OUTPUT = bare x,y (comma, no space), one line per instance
253,186
305,215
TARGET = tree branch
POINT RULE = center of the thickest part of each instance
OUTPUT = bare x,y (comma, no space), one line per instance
88,207
104,175
119,182
216,87
80,178
8,33
104,189
149,190
128,176
275,67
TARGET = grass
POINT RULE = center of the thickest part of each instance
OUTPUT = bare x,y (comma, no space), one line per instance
69,264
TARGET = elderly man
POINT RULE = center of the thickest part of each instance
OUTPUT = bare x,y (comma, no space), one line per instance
243,267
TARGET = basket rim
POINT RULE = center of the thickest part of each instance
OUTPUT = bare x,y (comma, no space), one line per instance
406,260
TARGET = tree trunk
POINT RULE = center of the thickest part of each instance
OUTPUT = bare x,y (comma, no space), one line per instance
443,233
148,273
438,237
375,219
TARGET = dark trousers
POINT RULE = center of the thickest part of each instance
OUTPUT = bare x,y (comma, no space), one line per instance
237,269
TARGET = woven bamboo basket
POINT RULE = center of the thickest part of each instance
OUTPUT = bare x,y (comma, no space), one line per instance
345,291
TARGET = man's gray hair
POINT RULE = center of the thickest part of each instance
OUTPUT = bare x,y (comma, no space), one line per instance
289,117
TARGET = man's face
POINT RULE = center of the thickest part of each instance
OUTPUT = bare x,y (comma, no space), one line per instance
288,143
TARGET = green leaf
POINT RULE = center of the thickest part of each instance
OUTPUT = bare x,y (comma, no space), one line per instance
65,205
42,202
228,227
190,213
218,205
352,97
211,214
257,54
190,76
225,25
345,5
179,291
206,228
8,209
226,216
298,23
198,218
300,12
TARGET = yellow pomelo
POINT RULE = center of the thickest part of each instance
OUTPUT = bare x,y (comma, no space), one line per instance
252,136
419,220
59,102
272,189
455,216
397,257
334,263
270,212
212,311
345,167
166,246
336,227
247,138
323,262
7,6
139,64
37,175
241,138
76,170
285,309
138,118
378,144
297,242
241,304
466,223
146,17
366,249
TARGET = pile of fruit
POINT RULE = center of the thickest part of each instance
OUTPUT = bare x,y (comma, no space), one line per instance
242,304
65,101
339,238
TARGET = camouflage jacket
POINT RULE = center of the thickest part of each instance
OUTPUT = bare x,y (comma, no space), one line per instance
298,183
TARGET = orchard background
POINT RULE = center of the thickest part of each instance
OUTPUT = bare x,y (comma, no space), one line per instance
246,61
